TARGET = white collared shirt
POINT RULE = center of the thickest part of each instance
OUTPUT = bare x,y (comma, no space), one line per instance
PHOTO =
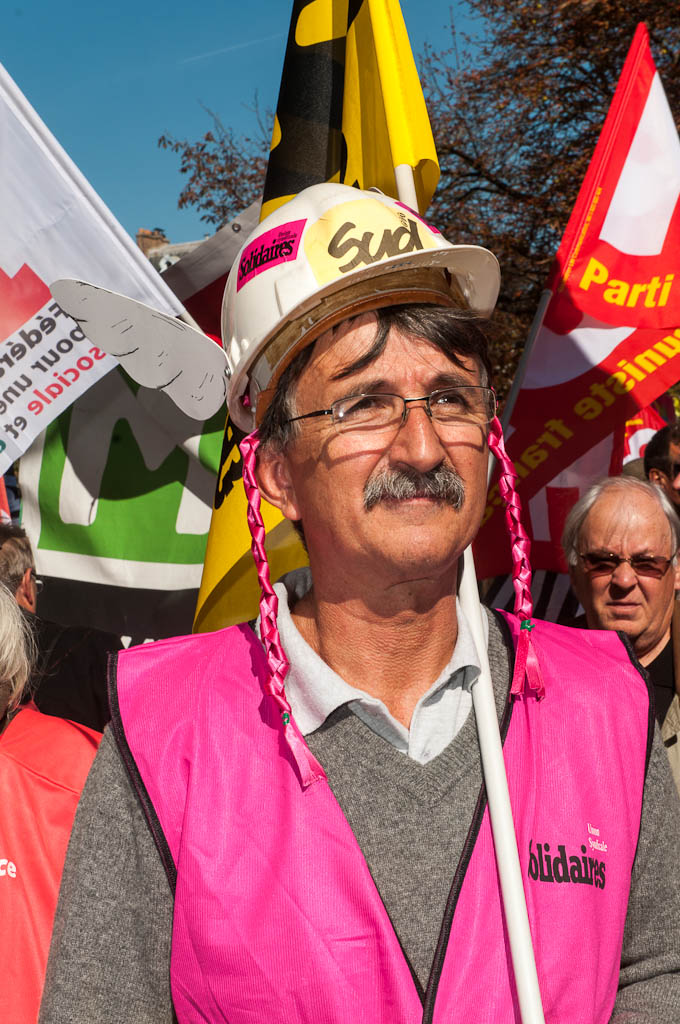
314,690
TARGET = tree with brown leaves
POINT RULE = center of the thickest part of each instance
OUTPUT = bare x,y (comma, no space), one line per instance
225,174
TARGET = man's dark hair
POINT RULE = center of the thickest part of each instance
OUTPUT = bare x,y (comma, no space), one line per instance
658,447
457,332
16,555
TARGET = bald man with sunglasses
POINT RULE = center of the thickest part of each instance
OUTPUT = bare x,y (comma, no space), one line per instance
621,543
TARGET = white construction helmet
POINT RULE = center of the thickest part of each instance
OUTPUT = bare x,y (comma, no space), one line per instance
330,253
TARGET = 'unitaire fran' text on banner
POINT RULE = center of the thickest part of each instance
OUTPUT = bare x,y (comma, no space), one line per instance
551,588
350,110
609,343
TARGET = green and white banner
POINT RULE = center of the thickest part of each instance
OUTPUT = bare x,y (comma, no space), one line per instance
117,497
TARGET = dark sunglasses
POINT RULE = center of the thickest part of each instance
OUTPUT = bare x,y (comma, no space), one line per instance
605,563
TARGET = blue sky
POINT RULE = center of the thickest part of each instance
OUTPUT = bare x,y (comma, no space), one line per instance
109,79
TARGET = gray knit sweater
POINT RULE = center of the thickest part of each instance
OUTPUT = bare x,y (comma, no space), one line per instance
109,961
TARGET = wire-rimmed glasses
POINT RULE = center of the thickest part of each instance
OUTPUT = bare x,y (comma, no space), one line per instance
454,410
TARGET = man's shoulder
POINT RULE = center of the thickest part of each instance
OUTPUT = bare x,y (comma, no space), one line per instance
597,661
188,688
183,665
574,634
51,748
197,645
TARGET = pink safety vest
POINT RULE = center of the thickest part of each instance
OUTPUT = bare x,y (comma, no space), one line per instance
277,917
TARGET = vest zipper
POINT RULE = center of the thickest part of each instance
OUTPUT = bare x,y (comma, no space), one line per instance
148,809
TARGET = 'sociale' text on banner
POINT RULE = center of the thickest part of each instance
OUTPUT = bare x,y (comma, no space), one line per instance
46,362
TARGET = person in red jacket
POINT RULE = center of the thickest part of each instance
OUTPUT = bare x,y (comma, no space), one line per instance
44,762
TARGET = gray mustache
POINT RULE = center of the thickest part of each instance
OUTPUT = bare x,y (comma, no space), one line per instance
441,483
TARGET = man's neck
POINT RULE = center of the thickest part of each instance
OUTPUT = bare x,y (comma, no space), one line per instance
393,644
647,657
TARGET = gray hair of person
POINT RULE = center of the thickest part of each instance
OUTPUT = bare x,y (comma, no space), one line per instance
16,555
456,332
17,652
629,489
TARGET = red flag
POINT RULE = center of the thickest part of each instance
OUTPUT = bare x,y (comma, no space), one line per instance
609,343
5,514
548,509
631,437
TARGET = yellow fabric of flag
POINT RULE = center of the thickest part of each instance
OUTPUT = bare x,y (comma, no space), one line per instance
351,107
230,590
384,109
350,110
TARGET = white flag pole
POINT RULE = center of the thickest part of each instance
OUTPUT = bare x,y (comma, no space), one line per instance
500,811
406,186
493,765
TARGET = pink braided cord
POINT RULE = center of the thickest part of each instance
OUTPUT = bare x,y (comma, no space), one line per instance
277,662
526,660
521,545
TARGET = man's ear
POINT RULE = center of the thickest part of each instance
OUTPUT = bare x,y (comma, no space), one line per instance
273,475
576,582
675,569
25,594
656,477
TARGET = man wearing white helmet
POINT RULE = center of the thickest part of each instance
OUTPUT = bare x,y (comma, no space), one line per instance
289,824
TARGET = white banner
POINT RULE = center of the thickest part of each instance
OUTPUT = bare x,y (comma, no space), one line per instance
52,225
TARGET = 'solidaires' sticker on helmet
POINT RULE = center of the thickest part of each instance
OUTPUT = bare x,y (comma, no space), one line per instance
361,237
412,213
156,350
279,245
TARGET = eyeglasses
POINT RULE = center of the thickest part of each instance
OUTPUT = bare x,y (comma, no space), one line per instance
37,581
455,409
673,470
605,563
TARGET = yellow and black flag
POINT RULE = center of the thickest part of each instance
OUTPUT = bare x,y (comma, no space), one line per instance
350,110
351,107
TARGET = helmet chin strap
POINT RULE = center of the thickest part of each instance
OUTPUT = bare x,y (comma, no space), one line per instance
526,662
